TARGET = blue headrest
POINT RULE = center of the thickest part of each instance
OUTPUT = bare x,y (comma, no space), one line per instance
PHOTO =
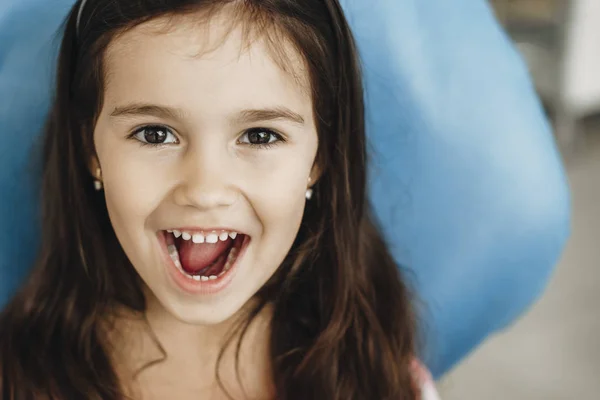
466,179
467,183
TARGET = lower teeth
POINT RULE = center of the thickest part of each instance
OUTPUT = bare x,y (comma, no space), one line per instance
228,263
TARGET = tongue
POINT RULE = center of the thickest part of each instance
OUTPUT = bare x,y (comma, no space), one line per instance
195,257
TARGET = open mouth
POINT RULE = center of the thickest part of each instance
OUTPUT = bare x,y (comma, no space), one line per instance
204,256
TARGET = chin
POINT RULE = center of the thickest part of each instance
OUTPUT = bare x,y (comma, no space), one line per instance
206,315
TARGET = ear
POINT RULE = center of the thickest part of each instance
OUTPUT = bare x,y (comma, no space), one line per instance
94,167
315,174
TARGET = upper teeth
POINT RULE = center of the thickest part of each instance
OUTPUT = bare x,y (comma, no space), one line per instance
201,237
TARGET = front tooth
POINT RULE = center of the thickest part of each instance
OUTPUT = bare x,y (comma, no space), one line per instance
186,236
223,236
198,238
212,238
232,235
212,277
176,233
204,278
196,278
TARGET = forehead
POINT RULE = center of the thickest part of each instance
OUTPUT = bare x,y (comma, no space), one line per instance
184,62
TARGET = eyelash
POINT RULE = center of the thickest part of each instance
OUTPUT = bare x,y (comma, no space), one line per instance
265,146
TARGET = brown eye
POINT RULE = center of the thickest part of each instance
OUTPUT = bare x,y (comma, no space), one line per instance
260,137
155,135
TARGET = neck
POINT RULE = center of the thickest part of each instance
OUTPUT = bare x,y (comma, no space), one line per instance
156,343
189,340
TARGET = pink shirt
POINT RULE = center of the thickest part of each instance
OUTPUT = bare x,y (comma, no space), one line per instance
425,382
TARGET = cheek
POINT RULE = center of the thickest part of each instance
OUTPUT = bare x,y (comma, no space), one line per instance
282,204
279,195
280,222
279,206
133,191
278,190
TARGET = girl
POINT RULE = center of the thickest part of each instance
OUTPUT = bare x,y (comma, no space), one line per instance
205,228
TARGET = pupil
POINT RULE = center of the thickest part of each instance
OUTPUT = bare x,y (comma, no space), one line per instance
258,137
155,135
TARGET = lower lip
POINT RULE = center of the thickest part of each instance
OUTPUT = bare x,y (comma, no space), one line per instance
194,287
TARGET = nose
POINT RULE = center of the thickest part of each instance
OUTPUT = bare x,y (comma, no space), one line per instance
205,179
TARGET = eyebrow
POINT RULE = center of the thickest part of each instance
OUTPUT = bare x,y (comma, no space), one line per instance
244,116
150,110
269,114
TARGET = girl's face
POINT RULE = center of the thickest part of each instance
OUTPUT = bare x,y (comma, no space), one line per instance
207,144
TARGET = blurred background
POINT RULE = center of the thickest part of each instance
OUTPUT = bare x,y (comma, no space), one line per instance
553,351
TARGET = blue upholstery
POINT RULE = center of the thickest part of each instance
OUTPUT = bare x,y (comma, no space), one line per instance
466,181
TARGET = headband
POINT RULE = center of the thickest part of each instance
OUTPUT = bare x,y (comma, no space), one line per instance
81,7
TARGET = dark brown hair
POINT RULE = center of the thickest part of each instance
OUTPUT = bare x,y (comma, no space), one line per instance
343,325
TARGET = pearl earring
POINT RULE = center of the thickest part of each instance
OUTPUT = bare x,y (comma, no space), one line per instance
309,191
97,181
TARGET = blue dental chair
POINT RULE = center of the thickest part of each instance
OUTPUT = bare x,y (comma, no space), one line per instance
466,179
